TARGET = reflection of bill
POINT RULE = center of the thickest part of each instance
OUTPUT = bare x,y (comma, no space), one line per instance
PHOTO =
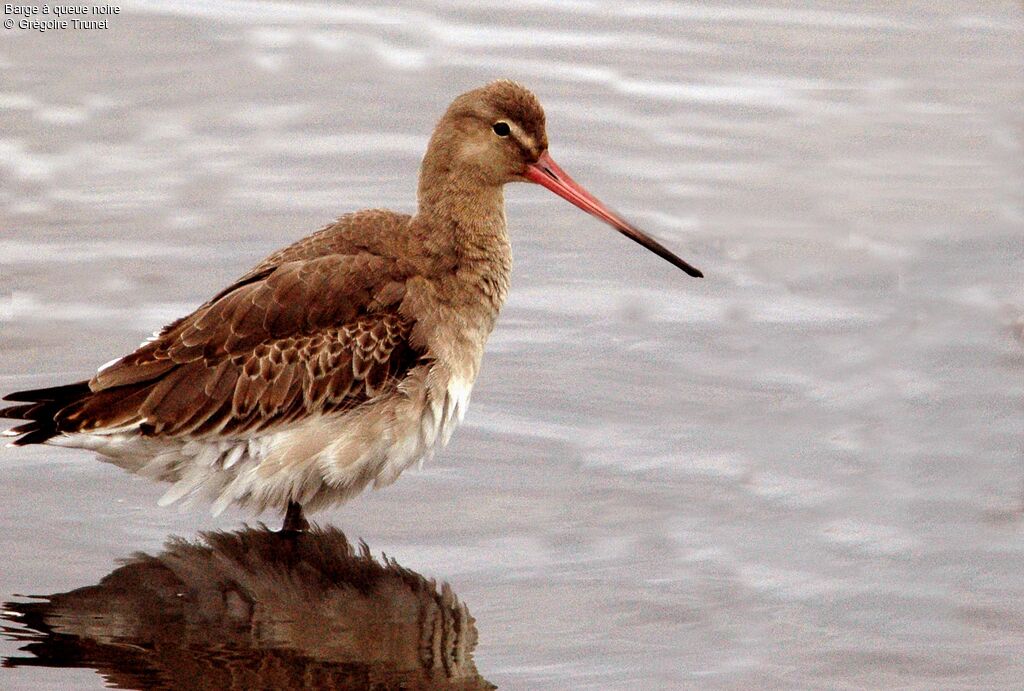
254,609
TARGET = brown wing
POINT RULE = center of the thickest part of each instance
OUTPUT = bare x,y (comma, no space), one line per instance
310,337
294,337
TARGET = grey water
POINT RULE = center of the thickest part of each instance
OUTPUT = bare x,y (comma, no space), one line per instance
802,471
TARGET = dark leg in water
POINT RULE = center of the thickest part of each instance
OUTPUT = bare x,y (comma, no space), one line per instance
294,521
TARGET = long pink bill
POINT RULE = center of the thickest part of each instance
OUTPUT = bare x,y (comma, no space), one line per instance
547,173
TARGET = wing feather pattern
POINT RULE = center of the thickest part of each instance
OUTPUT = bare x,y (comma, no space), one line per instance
302,334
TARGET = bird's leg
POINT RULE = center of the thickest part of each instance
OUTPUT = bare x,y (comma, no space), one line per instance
294,521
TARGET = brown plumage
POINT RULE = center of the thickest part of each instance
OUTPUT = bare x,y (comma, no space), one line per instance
339,360
296,338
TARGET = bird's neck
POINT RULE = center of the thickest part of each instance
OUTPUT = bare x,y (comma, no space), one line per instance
462,249
463,219
461,231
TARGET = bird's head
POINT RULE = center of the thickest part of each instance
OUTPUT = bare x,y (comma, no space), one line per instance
496,134
491,134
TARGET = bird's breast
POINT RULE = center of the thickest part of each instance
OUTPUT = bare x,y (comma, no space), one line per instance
454,317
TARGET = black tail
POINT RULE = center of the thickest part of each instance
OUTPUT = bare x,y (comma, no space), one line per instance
40,408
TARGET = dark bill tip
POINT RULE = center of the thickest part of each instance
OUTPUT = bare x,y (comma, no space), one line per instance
547,173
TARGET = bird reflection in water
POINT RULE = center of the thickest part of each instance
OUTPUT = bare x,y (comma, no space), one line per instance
254,609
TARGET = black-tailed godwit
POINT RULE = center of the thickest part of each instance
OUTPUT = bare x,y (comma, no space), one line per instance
340,360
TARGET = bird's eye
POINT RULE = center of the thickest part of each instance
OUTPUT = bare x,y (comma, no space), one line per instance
501,129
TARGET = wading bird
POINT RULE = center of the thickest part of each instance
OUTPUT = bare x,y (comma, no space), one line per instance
340,360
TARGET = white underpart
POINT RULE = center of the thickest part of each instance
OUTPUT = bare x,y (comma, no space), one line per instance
318,461
456,404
